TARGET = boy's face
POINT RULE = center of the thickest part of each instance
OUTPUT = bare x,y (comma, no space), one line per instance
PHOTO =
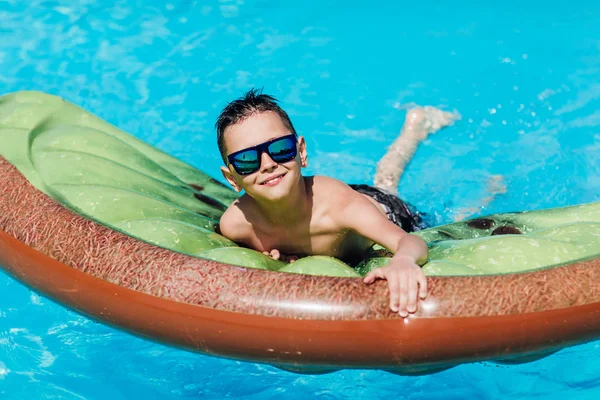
272,181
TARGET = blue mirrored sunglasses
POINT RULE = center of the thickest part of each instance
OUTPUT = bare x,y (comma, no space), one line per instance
281,150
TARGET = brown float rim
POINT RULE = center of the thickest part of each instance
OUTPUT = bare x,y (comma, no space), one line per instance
349,326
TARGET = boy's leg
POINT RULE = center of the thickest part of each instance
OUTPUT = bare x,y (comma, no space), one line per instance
496,185
419,123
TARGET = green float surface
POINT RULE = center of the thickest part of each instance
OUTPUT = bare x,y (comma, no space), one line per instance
119,181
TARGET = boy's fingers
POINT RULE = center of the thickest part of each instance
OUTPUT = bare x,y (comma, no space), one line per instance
403,296
394,287
422,286
413,285
275,254
376,273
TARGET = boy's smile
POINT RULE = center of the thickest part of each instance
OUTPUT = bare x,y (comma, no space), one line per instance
274,180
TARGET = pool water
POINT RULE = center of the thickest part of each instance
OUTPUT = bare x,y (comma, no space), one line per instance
525,76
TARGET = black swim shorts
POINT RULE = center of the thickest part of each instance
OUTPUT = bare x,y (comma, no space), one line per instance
399,212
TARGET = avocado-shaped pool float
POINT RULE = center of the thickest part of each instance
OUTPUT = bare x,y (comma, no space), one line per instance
124,233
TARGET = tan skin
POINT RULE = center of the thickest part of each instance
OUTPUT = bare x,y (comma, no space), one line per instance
286,215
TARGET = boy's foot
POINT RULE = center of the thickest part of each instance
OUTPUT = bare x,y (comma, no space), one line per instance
422,121
419,123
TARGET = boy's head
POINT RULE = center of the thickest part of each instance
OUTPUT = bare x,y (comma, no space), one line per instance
259,146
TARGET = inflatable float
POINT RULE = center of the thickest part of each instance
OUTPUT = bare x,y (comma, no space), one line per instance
117,230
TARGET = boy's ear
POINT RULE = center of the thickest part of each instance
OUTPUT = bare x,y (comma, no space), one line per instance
229,177
302,152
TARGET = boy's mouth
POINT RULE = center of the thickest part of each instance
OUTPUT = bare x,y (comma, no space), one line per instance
273,180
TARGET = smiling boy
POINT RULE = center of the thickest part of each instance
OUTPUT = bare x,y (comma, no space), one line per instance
287,215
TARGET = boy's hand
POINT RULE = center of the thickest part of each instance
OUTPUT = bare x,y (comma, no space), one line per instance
276,255
407,283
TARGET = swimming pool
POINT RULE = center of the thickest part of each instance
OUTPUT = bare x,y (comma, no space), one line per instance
526,83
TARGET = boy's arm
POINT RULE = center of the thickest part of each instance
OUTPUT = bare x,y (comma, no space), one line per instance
407,282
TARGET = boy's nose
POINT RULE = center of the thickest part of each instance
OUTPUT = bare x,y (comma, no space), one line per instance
266,162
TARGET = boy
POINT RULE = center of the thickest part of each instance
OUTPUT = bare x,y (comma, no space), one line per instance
286,215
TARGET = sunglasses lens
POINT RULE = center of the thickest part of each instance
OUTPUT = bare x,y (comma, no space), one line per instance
283,150
246,162
280,150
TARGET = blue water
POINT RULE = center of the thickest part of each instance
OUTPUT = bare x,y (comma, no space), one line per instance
525,77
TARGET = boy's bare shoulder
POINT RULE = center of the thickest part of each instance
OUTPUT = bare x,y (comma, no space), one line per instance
233,223
342,201
332,191
325,184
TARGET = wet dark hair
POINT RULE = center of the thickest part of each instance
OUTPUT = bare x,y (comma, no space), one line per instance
254,101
